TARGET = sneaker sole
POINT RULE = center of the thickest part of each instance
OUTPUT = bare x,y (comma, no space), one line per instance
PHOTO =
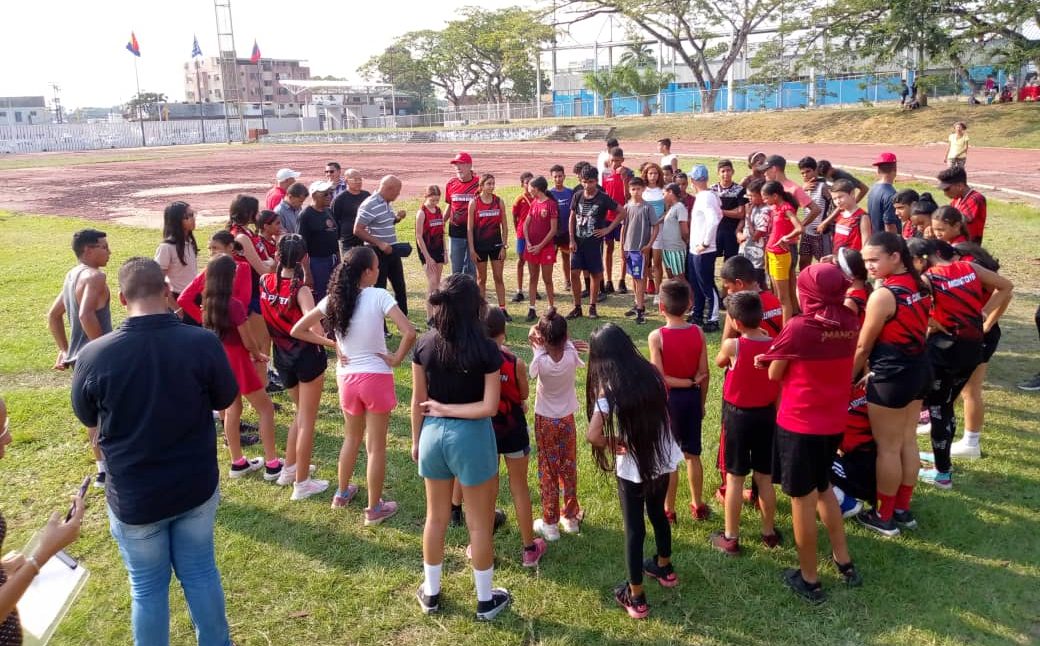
665,583
905,526
494,612
369,522
887,533
854,511
426,610
632,612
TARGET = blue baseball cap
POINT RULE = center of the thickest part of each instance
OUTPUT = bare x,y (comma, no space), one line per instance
699,173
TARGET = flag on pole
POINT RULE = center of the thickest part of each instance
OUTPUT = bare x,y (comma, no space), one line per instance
132,46
255,58
195,49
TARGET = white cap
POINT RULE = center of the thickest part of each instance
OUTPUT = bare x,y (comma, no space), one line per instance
286,173
320,186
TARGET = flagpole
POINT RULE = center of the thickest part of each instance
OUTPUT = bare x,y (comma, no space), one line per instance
140,117
198,97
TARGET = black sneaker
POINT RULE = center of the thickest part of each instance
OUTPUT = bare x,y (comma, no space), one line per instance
274,385
693,320
608,288
271,474
428,604
813,593
1030,385
500,520
636,607
641,316
592,312
631,312
622,288
531,315
585,293
100,479
488,610
519,298
248,439
904,519
456,516
601,296
711,326
870,519
575,313
665,575
506,316
848,572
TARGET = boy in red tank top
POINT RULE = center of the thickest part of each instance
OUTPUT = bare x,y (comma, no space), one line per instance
678,351
749,415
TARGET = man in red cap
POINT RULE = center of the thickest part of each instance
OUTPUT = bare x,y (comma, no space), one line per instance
881,198
459,192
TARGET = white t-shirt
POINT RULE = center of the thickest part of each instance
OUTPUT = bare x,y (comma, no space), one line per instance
671,159
625,465
365,339
178,276
704,221
602,162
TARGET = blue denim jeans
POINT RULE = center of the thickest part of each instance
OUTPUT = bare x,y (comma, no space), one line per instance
705,294
460,260
185,544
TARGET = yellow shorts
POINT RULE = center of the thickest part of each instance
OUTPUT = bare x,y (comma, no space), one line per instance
779,265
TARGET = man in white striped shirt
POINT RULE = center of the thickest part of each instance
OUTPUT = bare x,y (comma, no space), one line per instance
375,226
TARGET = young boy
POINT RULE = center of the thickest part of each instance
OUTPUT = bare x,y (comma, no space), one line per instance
881,196
814,245
615,184
563,196
85,300
588,226
679,352
852,227
854,472
757,221
639,234
511,436
520,208
749,416
664,146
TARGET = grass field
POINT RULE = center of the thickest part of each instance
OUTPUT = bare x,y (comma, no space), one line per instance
297,573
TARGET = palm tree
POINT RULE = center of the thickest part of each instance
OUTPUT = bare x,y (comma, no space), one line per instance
638,55
645,83
606,83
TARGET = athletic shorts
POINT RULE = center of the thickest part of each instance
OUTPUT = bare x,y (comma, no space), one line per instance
898,388
748,439
489,251
521,245
563,241
615,236
367,392
588,256
635,262
303,363
547,256
254,304
779,265
438,258
856,473
458,448
802,462
815,244
990,341
675,262
515,455
685,414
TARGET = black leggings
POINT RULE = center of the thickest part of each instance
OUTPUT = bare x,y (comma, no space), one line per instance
390,266
634,498
952,367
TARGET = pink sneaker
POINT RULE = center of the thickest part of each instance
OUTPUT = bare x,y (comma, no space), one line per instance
702,512
339,501
532,557
385,509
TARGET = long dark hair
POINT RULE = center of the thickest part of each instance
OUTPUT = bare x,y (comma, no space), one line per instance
216,298
345,287
776,188
243,210
636,394
173,229
892,243
459,322
225,238
980,256
952,216
291,250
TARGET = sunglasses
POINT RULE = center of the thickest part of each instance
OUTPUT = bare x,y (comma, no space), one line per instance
292,236
329,171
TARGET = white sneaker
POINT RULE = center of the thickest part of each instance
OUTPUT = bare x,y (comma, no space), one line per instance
308,488
570,525
548,532
962,449
250,466
288,475
924,429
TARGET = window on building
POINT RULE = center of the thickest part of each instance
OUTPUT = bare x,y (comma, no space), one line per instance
18,117
3,114
268,84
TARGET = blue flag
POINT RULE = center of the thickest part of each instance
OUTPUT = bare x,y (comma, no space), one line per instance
195,49
132,46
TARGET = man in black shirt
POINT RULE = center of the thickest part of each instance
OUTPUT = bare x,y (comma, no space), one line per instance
344,210
320,232
588,226
151,387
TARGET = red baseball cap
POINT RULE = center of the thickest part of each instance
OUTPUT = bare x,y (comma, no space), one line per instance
885,158
462,158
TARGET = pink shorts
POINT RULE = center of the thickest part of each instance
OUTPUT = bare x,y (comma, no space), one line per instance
369,392
547,256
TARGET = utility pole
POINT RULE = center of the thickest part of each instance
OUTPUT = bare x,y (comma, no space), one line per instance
58,114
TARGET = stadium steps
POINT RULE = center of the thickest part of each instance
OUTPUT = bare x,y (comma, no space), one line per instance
581,133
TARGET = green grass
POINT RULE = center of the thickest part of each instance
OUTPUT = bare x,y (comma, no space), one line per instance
297,573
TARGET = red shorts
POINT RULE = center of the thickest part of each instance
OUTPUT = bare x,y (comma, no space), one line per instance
369,392
547,256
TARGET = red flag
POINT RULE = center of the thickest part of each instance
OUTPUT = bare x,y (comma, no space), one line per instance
133,47
255,58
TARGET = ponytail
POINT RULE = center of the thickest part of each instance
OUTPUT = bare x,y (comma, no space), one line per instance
291,250
776,188
345,287
892,243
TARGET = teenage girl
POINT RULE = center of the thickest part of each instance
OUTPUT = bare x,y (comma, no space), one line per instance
356,311
653,194
269,226
178,252
786,227
244,210
629,432
284,299
949,226
488,234
429,237
891,353
921,215
226,316
851,263
539,234
960,291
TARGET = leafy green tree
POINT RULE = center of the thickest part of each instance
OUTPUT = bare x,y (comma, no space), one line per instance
502,44
396,66
144,106
644,83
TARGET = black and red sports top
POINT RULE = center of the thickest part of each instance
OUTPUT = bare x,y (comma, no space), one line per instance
772,313
280,309
433,231
958,299
857,427
487,222
906,329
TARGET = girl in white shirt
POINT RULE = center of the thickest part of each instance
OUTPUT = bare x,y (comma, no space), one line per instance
177,254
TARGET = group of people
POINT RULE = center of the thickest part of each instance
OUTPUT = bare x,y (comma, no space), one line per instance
843,329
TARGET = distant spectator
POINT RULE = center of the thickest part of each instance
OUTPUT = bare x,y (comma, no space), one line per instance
283,179
957,149
289,208
904,91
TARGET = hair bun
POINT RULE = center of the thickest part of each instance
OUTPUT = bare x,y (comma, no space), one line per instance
927,197
438,298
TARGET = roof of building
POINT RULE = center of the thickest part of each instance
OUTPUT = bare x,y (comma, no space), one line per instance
22,102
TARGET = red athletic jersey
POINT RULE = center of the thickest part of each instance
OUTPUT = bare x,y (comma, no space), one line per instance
488,222
190,299
813,395
746,386
958,299
909,230
857,428
772,313
615,185
542,214
906,329
433,230
847,232
270,246
681,351
521,207
510,405
280,309
782,226
973,206
858,295
254,239
458,195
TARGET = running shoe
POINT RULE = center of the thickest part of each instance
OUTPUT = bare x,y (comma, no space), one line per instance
774,540
506,316
531,315
574,314
488,610
622,288
519,297
848,573
927,456
904,519
100,479
850,507
700,512
636,607
811,592
572,525
629,313
1030,385
593,314
383,510
870,519
428,603
600,297
273,473
244,468
532,555
608,288
641,317
339,501
937,478
288,475
664,574
307,488
550,532
726,545
962,449
711,326
500,520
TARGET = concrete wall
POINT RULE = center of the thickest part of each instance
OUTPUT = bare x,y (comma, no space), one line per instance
401,136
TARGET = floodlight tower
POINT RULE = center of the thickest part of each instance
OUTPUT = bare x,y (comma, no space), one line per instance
58,113
230,88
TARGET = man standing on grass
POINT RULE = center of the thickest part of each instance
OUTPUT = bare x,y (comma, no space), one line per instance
664,146
459,192
375,226
283,179
881,199
344,210
84,298
154,403
953,182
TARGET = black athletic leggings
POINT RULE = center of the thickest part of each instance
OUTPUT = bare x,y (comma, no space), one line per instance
634,498
952,367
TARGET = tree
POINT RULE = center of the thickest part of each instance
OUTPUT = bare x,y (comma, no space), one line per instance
443,55
606,83
645,83
502,45
699,31
144,105
396,66
637,54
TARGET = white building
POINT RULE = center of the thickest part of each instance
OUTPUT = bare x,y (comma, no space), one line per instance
24,111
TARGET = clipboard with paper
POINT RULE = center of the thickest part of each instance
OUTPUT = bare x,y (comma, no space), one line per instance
49,596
